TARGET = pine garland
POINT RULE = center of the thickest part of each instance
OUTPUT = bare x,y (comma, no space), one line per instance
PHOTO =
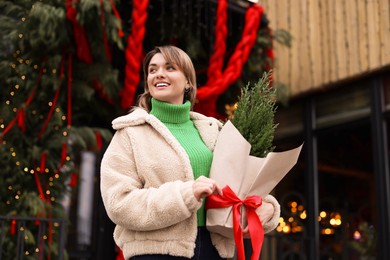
254,116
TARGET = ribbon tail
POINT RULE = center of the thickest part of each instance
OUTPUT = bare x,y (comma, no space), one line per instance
238,237
256,231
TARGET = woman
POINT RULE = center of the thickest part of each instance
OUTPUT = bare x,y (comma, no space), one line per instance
154,174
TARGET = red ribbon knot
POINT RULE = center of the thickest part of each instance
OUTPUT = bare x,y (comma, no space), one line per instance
251,203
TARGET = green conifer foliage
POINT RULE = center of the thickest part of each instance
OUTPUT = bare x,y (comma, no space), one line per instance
39,145
254,116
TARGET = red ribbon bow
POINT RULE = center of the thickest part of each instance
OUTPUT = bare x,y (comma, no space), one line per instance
256,231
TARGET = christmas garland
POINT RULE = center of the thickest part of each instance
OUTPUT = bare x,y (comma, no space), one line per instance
208,94
133,52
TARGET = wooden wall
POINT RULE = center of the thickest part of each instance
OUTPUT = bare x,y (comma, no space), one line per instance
333,40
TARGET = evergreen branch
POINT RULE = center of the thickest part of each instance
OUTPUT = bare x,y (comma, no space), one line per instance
254,116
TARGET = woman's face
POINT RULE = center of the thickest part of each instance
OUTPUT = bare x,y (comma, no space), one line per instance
165,81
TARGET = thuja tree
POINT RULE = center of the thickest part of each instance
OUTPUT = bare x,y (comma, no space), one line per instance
254,116
56,80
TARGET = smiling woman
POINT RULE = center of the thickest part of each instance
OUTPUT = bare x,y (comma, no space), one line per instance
155,172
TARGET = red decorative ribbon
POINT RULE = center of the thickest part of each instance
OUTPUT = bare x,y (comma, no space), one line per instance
54,103
256,231
134,53
207,95
83,50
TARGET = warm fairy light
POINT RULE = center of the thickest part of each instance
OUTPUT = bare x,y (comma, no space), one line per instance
17,197
34,112
50,104
51,179
8,202
327,231
17,52
35,66
17,163
54,71
10,187
44,70
17,86
13,65
68,158
56,176
25,169
32,171
44,237
20,35
27,253
322,214
52,199
286,229
37,250
335,222
290,219
46,170
15,109
357,235
47,192
65,133
27,61
303,215
63,118
56,224
23,19
58,109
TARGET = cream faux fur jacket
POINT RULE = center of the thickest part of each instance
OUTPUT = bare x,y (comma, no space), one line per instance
146,186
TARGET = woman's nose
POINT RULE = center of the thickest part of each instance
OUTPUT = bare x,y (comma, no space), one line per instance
160,73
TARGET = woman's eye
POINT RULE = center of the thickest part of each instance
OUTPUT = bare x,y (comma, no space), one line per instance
170,68
152,70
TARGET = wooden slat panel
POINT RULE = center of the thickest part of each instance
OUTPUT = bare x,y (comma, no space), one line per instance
352,37
373,34
304,74
282,53
332,40
384,31
295,30
315,40
362,36
325,41
340,47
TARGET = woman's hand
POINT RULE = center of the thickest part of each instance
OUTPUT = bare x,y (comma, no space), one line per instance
265,213
204,187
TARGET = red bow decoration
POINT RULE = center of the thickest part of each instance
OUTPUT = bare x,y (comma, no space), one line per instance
251,203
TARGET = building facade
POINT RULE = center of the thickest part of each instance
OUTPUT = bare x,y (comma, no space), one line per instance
336,200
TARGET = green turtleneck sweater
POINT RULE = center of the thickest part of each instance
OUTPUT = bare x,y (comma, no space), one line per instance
177,119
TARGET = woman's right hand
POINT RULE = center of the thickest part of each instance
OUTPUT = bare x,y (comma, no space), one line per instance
204,187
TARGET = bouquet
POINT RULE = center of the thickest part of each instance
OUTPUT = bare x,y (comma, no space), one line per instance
246,166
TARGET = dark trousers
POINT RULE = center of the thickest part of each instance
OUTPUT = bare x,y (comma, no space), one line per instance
204,249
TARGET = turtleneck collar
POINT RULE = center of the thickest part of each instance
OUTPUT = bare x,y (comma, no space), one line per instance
171,113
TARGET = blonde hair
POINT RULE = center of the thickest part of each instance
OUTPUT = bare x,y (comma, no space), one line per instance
175,56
